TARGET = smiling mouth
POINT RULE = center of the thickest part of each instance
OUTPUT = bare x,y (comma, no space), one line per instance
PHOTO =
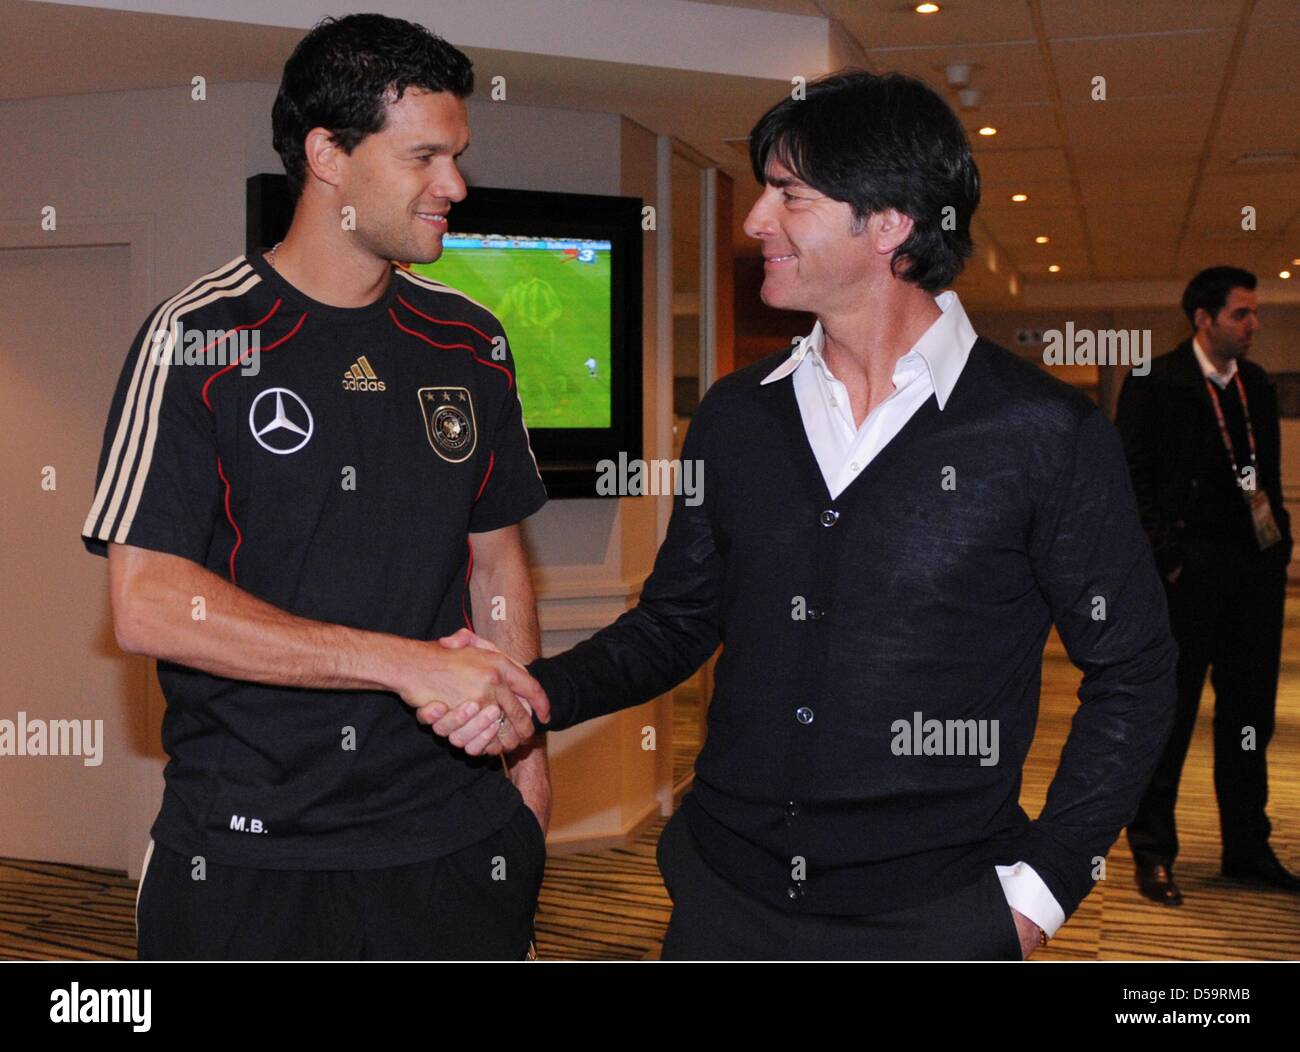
778,259
438,219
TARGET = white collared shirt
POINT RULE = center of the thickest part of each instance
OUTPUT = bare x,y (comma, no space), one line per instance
931,367
843,449
1219,379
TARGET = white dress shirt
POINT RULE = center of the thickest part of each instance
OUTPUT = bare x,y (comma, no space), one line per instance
1219,379
843,449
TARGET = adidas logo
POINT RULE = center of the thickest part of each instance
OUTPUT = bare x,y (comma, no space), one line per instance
361,377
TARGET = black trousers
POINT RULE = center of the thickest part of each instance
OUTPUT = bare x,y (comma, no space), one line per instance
713,919
1226,612
475,904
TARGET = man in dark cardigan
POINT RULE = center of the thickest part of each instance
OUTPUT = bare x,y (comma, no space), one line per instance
1210,496
894,516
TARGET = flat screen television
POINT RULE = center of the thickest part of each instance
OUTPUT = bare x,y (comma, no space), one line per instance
563,273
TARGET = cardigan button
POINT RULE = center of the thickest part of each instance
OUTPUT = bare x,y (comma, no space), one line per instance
816,613
792,808
830,517
803,714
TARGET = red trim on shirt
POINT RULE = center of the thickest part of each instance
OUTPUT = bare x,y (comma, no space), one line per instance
510,380
443,321
468,573
483,485
239,537
252,325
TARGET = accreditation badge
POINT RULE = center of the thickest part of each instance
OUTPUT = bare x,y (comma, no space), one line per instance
1261,514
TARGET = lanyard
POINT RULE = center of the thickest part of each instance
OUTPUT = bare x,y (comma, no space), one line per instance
1223,427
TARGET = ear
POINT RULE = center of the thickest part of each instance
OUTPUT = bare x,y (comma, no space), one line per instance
325,158
1201,319
891,228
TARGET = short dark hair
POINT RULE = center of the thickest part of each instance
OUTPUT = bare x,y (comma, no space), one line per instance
1210,289
879,142
345,72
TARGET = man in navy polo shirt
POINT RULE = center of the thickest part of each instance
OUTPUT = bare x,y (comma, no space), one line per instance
894,516
291,532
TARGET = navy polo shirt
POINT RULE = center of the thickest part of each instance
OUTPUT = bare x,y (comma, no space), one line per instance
338,472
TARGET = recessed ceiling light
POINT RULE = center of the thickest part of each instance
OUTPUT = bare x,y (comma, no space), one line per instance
1042,239
988,130
1295,262
926,9
1054,269
1284,274
1019,197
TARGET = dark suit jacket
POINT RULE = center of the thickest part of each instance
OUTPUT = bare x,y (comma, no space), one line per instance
1167,424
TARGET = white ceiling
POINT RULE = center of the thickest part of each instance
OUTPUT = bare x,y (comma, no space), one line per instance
1142,189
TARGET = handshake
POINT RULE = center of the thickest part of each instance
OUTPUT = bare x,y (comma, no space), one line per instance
472,694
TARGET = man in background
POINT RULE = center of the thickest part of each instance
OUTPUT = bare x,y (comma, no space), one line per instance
1202,439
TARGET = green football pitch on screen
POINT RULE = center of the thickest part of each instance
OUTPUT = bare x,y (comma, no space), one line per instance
555,308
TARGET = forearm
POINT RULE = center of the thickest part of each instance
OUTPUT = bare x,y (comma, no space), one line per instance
642,655
175,610
505,611
1115,740
530,772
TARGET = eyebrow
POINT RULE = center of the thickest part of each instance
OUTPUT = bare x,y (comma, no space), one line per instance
782,182
438,148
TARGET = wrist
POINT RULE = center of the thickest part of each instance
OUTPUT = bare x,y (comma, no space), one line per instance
387,662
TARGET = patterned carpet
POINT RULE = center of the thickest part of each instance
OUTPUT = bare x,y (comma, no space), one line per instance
611,905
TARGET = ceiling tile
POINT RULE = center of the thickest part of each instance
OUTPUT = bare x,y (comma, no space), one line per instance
1266,11
1069,18
1009,166
1118,182
1268,56
1176,125
1169,64
1006,74
1279,189
1264,121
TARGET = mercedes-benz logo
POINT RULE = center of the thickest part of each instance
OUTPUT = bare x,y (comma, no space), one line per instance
285,432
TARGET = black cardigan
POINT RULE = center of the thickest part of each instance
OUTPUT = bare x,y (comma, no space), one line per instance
928,586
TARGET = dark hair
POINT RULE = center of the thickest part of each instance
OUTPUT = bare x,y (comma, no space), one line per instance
879,142
1210,289
345,72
